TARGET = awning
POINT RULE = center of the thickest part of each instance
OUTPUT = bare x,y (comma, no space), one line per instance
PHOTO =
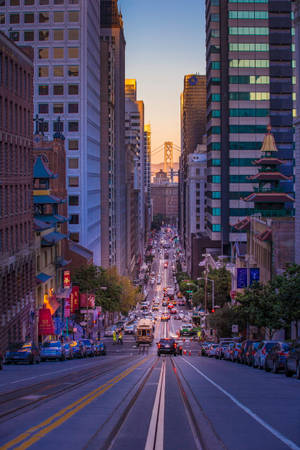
40,225
52,238
52,219
64,293
42,277
46,199
62,262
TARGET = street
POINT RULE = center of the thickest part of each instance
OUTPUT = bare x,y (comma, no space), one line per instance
133,399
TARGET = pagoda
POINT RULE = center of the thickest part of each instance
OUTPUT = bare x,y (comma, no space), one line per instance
269,198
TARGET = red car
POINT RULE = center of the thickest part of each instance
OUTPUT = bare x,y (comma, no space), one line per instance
170,306
173,311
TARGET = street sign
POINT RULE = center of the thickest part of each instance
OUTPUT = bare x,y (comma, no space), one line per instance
254,275
235,328
241,278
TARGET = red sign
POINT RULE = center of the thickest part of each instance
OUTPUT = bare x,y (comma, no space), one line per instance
67,279
74,298
67,311
233,295
87,300
46,326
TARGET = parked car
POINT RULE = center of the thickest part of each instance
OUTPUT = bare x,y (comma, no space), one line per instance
211,351
22,352
246,346
276,358
204,348
53,350
100,348
263,349
78,349
236,352
228,351
292,363
251,353
220,350
89,346
68,350
167,346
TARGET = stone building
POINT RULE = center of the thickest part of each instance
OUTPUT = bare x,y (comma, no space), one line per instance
17,258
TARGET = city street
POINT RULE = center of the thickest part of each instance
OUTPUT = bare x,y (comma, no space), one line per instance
133,399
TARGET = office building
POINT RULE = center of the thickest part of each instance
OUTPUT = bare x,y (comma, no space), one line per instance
113,150
249,85
147,175
65,36
297,133
17,253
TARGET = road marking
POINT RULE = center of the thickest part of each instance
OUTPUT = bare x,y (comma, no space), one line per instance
34,434
155,436
248,411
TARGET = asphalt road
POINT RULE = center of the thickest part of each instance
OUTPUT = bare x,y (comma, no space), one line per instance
131,399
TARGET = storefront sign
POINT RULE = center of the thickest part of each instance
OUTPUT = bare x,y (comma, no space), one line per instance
74,298
241,278
46,326
67,279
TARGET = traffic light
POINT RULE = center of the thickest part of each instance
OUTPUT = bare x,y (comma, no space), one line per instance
212,310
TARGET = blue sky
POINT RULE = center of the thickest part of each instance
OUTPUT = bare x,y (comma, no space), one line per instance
165,41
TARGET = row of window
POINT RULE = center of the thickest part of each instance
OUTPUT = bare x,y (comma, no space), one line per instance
43,17
232,179
249,79
58,53
244,96
15,199
14,77
14,118
248,47
13,238
248,14
43,35
58,71
246,31
58,108
15,160
249,129
233,162
36,2
236,145
73,127
249,63
73,89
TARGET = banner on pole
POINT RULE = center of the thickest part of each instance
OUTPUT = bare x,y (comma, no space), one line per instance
241,278
74,299
46,326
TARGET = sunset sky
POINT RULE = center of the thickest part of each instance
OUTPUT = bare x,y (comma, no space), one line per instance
165,41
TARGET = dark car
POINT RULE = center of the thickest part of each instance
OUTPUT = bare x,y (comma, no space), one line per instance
89,347
292,363
167,346
251,353
100,348
78,349
275,359
245,354
27,352
263,349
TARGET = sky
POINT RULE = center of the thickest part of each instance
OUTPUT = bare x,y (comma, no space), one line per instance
165,40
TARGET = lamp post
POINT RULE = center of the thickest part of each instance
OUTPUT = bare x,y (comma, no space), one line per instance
212,294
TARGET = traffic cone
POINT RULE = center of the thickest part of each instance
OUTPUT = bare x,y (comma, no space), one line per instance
190,353
184,352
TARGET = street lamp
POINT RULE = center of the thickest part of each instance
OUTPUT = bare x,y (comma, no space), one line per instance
213,291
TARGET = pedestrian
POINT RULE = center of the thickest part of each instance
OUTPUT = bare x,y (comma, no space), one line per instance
120,338
114,337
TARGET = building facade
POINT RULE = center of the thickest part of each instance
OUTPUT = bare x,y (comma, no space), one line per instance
113,150
297,132
250,84
147,175
165,200
66,41
17,252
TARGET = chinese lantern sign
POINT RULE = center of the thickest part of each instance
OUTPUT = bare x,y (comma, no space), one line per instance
67,279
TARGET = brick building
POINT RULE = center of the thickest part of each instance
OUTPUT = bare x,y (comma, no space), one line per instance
17,260
165,200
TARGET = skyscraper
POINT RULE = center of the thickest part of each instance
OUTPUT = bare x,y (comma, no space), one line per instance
147,156
113,151
250,84
66,41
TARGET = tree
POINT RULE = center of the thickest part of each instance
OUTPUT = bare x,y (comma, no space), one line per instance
222,281
223,319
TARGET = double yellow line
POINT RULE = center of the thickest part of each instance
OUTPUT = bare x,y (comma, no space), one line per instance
34,434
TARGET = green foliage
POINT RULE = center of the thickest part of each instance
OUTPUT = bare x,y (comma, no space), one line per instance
222,285
181,276
119,295
223,319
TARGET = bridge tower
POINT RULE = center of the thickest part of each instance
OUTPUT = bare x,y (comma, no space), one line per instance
168,156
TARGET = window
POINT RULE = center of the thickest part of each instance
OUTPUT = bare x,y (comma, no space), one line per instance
216,179
28,35
28,2
73,163
244,31
73,144
247,47
14,18
43,71
43,108
73,181
73,89
58,52
58,108
44,2
58,16
58,2
249,112
73,2
249,63
73,16
43,17
44,35
14,2
58,35
74,237
215,65
58,126
73,126
58,71
73,35
58,89
73,108
73,52
74,220
14,36
43,89
29,18
216,194
248,14
43,53
73,71
216,227
2,19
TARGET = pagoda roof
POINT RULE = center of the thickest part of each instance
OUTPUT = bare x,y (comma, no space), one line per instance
53,238
40,170
268,161
269,144
243,224
52,219
265,197
269,176
39,225
46,199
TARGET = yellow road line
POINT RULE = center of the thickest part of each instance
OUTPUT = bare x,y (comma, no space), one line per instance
64,414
